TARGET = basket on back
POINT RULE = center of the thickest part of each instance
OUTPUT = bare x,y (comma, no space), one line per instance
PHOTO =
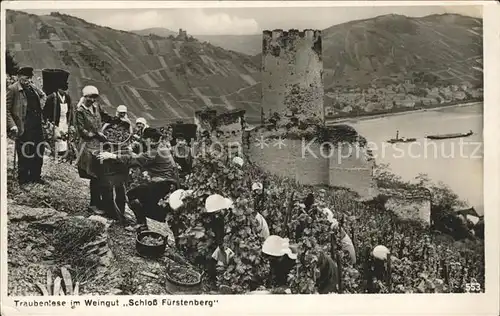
54,79
185,130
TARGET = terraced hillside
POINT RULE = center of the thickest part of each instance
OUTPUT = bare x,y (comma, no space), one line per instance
158,78
164,79
246,44
386,49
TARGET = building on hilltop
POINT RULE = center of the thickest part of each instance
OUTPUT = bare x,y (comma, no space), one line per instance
182,36
292,73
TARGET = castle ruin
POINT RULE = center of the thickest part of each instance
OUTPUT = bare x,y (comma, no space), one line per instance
292,73
182,36
292,101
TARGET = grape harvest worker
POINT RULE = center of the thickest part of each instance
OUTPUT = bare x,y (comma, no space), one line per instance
182,155
58,108
89,118
122,114
140,125
215,205
283,257
345,240
25,104
380,255
257,189
160,165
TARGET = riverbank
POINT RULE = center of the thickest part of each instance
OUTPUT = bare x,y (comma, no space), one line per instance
356,119
41,220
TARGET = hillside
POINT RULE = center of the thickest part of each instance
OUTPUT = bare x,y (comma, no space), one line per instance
384,48
160,31
448,46
158,78
392,63
387,63
245,44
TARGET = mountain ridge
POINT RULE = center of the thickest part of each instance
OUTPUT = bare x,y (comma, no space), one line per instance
165,78
158,78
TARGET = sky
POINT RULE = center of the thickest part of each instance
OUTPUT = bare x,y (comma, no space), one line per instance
240,21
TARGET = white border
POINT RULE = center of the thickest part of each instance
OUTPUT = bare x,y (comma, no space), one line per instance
435,304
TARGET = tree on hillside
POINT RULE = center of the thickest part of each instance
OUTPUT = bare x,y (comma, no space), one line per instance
11,65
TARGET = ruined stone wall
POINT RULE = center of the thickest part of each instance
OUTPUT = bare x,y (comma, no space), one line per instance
409,206
350,167
224,128
292,73
312,163
290,161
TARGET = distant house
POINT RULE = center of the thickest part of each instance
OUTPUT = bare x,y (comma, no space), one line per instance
347,109
329,111
459,95
405,103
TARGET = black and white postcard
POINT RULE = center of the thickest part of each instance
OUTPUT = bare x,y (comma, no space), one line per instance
183,157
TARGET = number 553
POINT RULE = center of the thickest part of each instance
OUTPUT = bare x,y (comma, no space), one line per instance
473,286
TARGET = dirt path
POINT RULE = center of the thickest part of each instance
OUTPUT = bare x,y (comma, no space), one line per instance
31,249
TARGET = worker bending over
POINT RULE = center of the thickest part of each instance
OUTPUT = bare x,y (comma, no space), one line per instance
159,164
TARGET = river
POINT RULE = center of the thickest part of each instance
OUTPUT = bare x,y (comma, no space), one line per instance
456,162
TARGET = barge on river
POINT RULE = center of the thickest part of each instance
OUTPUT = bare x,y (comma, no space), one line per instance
453,135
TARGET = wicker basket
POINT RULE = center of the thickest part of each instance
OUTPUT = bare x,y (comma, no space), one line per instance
181,283
118,144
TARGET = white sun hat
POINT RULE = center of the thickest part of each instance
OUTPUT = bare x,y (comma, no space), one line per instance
380,252
141,120
216,202
330,217
276,246
175,200
89,90
121,109
257,186
238,160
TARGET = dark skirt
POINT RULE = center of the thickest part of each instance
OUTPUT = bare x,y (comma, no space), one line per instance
88,166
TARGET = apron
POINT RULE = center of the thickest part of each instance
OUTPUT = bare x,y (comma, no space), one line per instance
62,145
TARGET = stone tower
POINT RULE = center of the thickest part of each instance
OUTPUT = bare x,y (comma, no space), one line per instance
292,73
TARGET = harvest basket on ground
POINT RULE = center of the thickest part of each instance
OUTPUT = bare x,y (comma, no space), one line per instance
150,244
182,275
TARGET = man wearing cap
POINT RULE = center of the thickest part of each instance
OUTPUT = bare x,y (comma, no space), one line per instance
24,123
159,163
89,119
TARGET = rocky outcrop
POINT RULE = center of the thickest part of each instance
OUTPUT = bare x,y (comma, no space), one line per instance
21,213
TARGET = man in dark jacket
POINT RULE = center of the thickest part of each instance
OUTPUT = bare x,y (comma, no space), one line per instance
24,123
161,168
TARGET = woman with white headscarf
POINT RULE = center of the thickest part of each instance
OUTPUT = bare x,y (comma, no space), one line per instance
89,118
